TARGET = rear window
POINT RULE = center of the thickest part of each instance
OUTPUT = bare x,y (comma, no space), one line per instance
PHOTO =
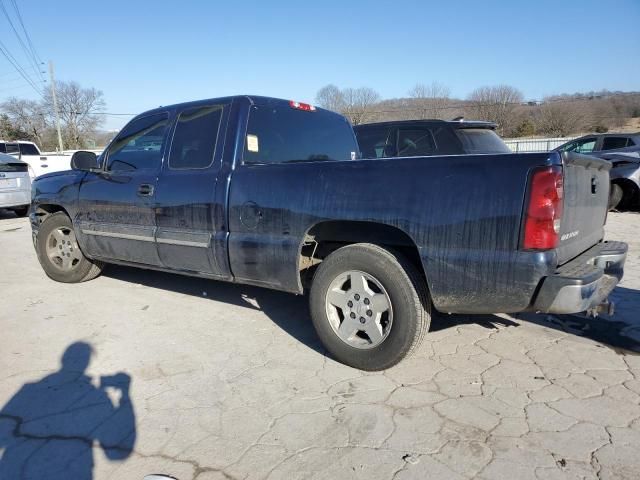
611,143
28,149
278,134
481,140
14,167
12,149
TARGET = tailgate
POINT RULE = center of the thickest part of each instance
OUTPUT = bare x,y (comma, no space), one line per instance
586,198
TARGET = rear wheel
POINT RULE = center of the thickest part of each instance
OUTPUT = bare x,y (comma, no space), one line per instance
59,253
21,211
369,306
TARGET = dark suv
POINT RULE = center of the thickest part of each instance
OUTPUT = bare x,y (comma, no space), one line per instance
421,138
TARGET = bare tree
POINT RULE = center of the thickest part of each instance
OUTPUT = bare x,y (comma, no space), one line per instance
431,100
358,103
331,98
354,103
495,104
558,119
27,117
80,111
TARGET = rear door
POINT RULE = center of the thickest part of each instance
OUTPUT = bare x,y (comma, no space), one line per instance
586,196
116,207
188,218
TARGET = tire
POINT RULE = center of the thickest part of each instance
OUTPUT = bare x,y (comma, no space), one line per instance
21,211
397,332
615,196
59,253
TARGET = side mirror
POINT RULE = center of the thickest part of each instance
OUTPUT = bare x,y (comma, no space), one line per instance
85,161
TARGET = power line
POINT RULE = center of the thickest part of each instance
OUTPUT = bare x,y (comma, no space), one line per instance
29,55
18,67
26,33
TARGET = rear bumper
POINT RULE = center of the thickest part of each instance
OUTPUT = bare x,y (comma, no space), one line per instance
15,198
583,283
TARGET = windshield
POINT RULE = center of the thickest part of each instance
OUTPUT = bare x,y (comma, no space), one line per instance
481,140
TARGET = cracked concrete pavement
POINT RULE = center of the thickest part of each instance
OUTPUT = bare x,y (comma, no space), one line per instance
229,381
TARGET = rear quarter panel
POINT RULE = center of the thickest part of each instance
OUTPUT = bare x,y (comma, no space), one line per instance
462,212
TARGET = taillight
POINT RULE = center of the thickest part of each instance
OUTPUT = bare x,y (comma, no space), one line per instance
543,215
302,106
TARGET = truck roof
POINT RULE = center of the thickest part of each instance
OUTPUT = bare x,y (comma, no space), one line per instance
17,141
452,123
205,101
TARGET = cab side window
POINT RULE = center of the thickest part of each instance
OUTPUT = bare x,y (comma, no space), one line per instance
139,145
194,140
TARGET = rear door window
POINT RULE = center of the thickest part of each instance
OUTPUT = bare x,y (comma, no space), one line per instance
415,143
194,140
610,143
139,145
481,140
280,133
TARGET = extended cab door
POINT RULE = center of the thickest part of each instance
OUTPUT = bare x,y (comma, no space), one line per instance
191,233
116,207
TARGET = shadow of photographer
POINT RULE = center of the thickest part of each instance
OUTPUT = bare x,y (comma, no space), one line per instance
48,429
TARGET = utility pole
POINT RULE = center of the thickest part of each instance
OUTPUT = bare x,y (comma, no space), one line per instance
55,105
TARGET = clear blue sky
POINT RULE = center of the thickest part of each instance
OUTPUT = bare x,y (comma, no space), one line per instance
145,53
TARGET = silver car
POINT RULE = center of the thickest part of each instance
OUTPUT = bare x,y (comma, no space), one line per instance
15,185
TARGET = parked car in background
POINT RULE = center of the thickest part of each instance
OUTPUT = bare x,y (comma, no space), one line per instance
15,185
421,138
39,164
623,151
602,142
270,192
625,179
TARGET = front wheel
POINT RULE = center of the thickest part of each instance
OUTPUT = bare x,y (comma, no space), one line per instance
369,306
59,253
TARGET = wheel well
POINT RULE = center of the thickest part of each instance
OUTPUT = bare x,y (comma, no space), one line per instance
630,190
45,209
326,237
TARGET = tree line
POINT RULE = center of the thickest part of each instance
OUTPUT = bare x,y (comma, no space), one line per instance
560,115
81,116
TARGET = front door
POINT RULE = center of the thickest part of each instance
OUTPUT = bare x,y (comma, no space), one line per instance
116,214
191,233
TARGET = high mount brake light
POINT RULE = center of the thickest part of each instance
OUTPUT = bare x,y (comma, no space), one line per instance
544,210
302,106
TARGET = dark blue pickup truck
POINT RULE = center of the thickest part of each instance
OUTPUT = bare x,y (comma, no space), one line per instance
274,193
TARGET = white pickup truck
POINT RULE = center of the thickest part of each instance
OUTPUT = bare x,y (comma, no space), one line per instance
39,164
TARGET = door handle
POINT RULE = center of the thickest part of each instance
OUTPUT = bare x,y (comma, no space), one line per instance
145,190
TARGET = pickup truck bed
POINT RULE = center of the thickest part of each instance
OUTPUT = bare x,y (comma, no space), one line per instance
458,233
